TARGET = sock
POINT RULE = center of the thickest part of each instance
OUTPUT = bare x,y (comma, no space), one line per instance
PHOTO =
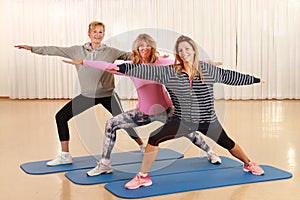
143,147
105,161
143,175
209,152
65,154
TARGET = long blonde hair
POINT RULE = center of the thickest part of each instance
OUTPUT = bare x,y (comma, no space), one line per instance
196,67
135,52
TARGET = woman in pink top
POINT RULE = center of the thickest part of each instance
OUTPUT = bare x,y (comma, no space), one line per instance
154,104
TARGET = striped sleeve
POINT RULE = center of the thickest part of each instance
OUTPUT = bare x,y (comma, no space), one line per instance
159,74
229,77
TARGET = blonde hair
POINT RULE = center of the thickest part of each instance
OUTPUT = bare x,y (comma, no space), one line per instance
196,67
93,24
137,42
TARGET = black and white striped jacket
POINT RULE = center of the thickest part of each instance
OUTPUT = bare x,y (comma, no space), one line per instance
192,103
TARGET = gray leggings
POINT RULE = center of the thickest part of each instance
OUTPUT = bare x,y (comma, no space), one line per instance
134,118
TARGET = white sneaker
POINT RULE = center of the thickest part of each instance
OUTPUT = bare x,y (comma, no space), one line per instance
213,158
100,169
60,160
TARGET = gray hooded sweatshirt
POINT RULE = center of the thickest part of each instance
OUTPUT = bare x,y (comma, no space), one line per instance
94,83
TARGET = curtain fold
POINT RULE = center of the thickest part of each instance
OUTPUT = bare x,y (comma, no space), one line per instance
251,36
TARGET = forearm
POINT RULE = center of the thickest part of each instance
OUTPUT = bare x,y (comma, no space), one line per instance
230,77
52,51
144,71
101,65
98,64
237,78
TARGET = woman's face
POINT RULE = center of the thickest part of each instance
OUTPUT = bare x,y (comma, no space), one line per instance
97,34
144,49
186,52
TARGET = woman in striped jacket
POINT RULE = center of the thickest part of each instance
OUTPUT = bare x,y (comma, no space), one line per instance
190,85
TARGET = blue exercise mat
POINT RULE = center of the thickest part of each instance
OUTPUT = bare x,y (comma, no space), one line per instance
40,167
126,172
184,182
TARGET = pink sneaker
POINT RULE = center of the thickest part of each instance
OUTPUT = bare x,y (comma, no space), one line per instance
253,168
138,181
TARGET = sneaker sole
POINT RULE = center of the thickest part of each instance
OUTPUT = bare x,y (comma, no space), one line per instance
215,163
53,165
143,185
106,172
257,174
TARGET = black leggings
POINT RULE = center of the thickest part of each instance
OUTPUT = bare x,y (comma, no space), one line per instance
81,103
175,128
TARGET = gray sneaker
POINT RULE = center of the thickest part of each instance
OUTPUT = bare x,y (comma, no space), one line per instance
60,160
213,158
100,169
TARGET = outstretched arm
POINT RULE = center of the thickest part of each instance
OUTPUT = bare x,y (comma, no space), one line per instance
101,65
67,52
229,77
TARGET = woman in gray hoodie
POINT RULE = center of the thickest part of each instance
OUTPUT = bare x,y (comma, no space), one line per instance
97,86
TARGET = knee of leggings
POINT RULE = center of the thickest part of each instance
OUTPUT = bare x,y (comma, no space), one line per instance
58,117
62,117
110,124
110,127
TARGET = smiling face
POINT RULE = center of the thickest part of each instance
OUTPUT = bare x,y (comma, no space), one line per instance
96,34
186,52
144,50
187,57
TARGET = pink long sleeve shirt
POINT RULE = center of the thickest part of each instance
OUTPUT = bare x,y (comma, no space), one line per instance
152,96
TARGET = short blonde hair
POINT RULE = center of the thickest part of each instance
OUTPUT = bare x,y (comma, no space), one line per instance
93,24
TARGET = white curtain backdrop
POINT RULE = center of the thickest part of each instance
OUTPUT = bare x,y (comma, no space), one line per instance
252,36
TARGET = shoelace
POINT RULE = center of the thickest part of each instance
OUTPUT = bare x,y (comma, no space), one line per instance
251,166
98,165
61,157
138,178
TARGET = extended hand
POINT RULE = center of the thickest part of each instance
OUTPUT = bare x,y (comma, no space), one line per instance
113,69
74,62
216,63
24,47
165,56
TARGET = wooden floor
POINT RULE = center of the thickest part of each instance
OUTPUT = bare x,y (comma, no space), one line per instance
268,131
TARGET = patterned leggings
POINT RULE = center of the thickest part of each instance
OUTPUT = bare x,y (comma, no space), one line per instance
134,118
